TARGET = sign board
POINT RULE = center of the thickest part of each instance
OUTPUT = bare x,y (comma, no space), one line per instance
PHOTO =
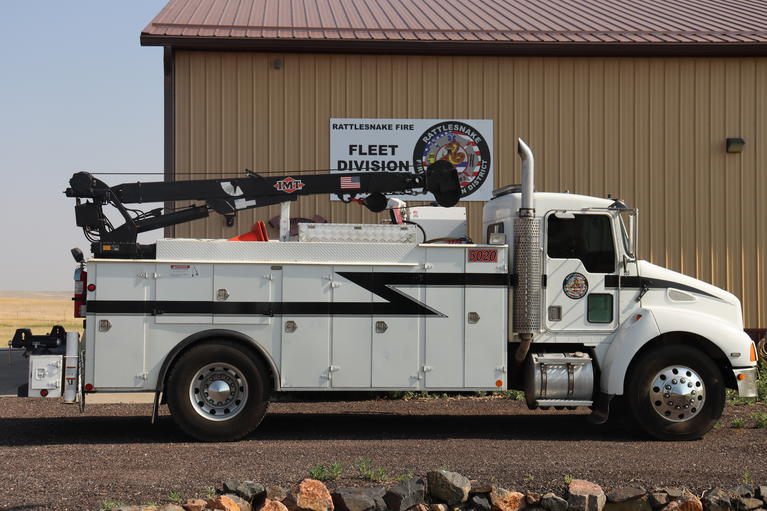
410,145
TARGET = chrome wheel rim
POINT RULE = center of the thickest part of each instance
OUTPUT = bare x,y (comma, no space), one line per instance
677,393
218,391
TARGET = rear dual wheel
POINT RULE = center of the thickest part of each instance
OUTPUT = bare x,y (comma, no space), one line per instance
218,391
675,393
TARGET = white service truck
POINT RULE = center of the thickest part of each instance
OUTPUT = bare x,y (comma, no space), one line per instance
553,301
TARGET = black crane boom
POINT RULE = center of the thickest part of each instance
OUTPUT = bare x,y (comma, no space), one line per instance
231,195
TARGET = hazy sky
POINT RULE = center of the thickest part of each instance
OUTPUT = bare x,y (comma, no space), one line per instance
77,92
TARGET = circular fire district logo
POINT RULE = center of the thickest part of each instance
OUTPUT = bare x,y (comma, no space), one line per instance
575,285
460,144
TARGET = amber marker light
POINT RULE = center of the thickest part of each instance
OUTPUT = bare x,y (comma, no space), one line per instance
752,354
741,376
499,383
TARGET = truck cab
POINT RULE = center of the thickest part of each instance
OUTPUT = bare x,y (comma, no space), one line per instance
663,343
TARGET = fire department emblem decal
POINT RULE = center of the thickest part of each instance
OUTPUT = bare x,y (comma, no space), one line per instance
460,144
289,185
575,286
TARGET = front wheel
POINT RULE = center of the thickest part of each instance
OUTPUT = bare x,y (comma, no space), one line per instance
218,391
675,393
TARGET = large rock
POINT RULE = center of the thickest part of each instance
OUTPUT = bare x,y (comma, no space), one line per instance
275,492
675,492
438,507
170,507
194,504
224,503
449,487
551,502
744,490
243,504
585,496
230,485
252,492
628,499
359,499
640,504
761,492
658,499
747,503
310,495
505,500
532,498
405,494
480,502
626,494
272,505
718,500
687,502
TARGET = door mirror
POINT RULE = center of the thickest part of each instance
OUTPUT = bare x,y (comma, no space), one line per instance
629,231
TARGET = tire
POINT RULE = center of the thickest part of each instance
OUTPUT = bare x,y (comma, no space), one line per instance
218,391
695,382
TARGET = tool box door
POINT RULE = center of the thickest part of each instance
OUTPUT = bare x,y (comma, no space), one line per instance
397,338
306,291
352,335
486,319
444,331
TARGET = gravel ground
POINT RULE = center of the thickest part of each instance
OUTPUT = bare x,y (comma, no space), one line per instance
55,459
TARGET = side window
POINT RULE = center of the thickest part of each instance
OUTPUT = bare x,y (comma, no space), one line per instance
492,229
585,237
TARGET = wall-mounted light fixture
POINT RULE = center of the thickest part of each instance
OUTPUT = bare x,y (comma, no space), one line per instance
735,145
277,63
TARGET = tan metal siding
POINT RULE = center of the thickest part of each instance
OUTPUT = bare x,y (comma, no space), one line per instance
650,131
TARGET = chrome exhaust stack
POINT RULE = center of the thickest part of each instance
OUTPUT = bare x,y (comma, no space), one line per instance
528,179
528,266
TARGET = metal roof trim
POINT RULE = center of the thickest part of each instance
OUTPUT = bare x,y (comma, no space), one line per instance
461,47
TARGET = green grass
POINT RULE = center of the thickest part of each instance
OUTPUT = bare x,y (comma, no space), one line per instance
405,476
738,423
329,472
174,497
760,420
568,479
761,385
370,473
110,504
515,395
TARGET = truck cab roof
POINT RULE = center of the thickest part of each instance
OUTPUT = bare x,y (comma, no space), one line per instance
506,204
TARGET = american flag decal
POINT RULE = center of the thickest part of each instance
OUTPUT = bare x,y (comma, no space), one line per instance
348,182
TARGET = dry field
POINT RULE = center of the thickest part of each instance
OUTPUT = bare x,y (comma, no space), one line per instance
36,310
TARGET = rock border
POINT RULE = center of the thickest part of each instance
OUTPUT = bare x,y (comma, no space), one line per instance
442,490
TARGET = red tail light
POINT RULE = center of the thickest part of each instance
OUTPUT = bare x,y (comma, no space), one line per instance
81,283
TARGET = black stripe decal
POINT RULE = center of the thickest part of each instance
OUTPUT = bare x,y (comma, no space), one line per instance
380,284
639,282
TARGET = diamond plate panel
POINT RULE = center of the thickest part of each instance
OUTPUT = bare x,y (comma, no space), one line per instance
289,252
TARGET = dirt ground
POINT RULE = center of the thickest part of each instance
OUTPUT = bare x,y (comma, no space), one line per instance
55,459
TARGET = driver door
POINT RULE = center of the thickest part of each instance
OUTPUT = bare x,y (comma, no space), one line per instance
580,254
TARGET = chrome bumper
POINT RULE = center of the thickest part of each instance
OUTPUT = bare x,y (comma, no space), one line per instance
746,382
